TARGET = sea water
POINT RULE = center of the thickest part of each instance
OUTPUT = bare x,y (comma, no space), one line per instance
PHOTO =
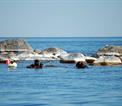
63,85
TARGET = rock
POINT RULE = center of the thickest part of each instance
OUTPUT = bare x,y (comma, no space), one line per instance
53,52
110,50
90,60
47,54
72,58
109,55
108,60
10,48
7,55
32,56
120,58
2,59
15,45
28,55
37,51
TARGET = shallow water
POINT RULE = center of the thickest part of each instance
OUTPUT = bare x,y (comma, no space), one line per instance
63,85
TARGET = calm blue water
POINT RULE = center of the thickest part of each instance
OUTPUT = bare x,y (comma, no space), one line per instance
63,85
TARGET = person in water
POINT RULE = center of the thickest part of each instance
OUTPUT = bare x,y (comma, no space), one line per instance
81,64
12,63
37,64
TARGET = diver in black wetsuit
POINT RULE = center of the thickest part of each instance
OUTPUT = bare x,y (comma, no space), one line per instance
37,64
81,64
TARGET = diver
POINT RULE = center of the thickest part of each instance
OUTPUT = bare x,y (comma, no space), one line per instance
81,64
37,64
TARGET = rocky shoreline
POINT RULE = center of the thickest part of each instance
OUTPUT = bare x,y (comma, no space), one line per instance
18,49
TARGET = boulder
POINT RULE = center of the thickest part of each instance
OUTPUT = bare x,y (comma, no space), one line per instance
6,55
110,50
47,54
31,56
15,45
53,52
23,56
72,58
3,59
90,60
37,51
108,60
10,48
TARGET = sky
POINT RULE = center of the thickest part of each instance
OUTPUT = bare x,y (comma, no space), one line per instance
60,18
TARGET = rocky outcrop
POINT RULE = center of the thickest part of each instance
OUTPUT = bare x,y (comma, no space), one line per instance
108,60
31,56
15,45
53,52
37,51
72,58
109,55
10,48
90,60
47,54
110,50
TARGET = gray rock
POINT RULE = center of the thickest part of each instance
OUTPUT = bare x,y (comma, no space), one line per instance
72,58
108,60
110,50
15,45
54,51
10,48
37,51
7,55
90,60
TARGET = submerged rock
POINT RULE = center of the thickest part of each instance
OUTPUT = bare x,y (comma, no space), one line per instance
72,58
110,50
108,60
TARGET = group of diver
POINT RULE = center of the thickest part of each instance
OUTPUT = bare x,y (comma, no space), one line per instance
37,64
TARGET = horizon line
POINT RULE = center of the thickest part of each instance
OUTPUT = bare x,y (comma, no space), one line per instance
57,36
